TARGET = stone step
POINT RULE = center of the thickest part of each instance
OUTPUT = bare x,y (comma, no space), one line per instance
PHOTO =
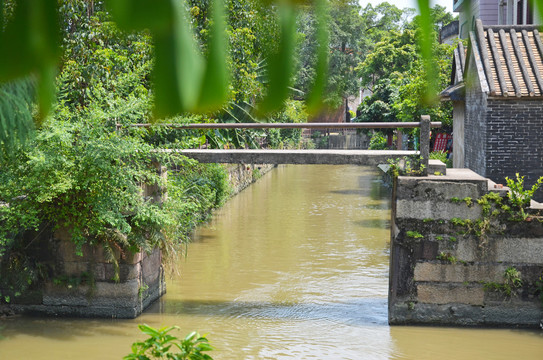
498,188
436,167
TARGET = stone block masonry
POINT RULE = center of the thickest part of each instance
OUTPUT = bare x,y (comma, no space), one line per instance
240,176
449,258
88,288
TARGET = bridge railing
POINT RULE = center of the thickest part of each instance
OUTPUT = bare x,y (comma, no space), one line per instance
425,126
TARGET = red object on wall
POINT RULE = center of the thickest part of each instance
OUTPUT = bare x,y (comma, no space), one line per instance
441,142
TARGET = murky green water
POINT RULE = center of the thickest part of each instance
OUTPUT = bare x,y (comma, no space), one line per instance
295,267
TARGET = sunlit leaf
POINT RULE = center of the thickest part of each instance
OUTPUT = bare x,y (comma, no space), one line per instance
31,39
425,43
214,92
314,99
2,9
538,5
46,90
280,64
141,14
179,66
30,44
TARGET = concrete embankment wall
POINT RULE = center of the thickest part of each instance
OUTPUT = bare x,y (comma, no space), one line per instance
348,141
241,176
86,288
450,259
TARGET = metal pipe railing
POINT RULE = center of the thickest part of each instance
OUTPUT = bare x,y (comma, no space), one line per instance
425,126
368,125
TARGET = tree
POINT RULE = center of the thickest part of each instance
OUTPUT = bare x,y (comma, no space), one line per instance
411,102
353,35
393,54
395,72
378,22
102,69
379,106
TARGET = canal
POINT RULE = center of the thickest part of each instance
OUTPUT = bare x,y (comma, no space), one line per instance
294,267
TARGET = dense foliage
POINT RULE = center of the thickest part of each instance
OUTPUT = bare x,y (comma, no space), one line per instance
354,32
395,75
89,181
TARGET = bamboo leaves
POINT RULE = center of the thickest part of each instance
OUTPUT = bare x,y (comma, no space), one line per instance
179,65
183,81
30,41
214,92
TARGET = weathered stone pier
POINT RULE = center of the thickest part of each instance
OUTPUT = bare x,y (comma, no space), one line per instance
453,262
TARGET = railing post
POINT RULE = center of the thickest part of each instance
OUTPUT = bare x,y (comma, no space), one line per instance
424,143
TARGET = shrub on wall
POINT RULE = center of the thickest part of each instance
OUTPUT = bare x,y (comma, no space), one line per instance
89,180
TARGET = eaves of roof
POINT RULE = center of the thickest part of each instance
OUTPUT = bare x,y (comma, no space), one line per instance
454,92
509,59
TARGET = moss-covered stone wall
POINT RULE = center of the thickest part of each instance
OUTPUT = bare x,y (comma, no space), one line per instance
458,258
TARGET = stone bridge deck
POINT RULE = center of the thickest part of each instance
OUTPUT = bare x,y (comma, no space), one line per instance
329,157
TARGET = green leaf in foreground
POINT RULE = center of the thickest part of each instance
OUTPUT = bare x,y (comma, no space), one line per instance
162,345
280,64
314,99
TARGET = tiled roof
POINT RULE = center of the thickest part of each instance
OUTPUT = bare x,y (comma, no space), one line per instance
459,64
509,59
456,89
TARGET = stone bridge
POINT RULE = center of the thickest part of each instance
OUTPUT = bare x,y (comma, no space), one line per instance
287,156
328,157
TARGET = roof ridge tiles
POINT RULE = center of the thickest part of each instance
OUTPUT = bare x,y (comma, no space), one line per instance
479,32
532,60
497,63
521,63
507,58
509,63
515,27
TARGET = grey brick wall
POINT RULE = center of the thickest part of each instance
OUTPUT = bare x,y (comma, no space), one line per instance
475,131
503,136
514,141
